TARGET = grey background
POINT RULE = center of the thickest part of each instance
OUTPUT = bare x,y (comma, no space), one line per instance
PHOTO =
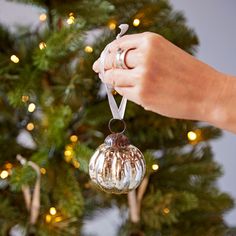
215,24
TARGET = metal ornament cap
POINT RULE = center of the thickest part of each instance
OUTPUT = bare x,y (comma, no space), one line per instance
117,166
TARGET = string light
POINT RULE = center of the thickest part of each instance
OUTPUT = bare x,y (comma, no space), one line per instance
42,45
76,164
136,22
58,219
24,98
31,107
71,19
8,166
88,49
14,59
155,167
112,25
43,17
30,126
166,210
53,211
73,138
192,136
43,171
4,174
48,218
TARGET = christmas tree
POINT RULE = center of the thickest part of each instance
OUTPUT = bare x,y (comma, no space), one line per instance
54,115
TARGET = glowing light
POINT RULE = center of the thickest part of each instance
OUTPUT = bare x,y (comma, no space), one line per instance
76,164
166,210
4,174
192,136
8,166
53,211
48,218
88,49
14,59
30,126
71,20
136,22
68,153
112,25
31,107
42,45
74,138
58,219
43,17
24,98
43,171
155,167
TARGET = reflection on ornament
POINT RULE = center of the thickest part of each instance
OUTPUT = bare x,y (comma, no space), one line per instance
14,59
4,174
155,167
117,166
136,22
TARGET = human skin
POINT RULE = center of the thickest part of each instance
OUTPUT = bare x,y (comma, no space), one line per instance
165,79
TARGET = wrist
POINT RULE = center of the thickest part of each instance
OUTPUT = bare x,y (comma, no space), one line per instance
221,104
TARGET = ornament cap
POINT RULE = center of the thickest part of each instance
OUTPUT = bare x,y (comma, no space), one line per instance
117,140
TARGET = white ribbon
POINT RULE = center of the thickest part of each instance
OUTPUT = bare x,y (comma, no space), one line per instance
117,112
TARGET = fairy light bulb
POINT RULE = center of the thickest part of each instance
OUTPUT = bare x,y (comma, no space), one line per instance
155,167
112,25
48,218
88,49
42,45
4,174
71,19
43,17
136,22
166,210
14,59
53,211
24,98
31,107
73,138
30,126
43,171
192,136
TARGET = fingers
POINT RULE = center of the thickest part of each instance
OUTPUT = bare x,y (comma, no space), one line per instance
131,93
129,43
120,77
132,60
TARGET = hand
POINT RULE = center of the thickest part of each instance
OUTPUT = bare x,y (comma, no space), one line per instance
163,78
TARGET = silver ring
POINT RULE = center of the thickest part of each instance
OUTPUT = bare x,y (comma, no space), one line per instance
120,59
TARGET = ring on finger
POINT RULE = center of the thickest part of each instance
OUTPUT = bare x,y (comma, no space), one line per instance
120,61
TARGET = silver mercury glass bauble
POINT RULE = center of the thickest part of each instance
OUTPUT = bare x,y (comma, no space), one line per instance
117,166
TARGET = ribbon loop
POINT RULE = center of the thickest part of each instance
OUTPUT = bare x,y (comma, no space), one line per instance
117,112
